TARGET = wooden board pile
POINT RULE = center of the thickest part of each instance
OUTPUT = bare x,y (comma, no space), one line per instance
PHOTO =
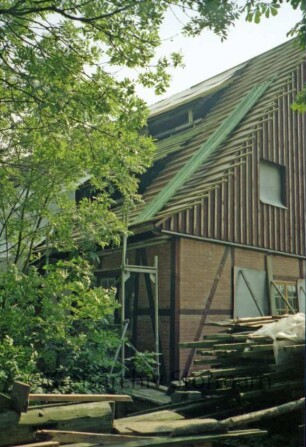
21,423
242,386
243,371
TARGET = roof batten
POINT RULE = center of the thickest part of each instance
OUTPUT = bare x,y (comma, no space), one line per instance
207,148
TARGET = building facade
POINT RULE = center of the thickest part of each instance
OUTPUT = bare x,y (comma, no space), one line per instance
224,207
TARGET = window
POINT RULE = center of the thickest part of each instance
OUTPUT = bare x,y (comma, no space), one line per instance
272,184
285,293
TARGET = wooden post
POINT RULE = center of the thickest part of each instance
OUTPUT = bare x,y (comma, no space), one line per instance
269,269
20,396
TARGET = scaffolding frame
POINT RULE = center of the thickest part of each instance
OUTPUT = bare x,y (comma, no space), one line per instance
152,271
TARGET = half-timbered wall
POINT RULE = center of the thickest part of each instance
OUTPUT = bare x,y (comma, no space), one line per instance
206,285
196,286
139,298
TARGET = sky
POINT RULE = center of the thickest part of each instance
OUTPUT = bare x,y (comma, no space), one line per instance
206,56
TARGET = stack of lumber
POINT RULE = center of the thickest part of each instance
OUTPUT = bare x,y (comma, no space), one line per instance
240,388
242,367
74,412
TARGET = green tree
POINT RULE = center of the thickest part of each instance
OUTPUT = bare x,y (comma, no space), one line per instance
66,118
54,328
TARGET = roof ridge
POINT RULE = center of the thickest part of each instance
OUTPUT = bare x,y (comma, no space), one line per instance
190,93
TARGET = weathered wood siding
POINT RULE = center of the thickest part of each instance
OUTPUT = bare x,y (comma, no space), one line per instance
234,212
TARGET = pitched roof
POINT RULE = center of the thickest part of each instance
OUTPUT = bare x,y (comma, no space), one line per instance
192,167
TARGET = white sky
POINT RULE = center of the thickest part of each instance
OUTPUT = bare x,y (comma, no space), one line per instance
206,56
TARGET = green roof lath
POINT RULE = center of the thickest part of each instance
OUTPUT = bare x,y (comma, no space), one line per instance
218,137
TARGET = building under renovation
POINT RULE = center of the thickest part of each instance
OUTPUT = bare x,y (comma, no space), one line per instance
223,209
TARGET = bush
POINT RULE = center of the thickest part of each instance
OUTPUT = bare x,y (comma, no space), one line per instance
53,328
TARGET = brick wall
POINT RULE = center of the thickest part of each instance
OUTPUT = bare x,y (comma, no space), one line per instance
200,276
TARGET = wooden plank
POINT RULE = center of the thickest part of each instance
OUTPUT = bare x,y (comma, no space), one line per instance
40,444
174,307
80,398
232,346
120,425
93,416
150,295
74,436
193,440
269,269
254,416
195,344
20,396
259,347
163,415
134,322
166,427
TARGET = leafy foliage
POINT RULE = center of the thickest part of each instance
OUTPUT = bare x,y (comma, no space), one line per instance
52,327
65,118
143,365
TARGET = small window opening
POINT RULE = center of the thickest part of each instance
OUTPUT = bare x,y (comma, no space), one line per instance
272,181
286,297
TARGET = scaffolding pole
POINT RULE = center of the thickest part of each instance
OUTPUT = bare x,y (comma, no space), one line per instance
156,318
152,271
122,301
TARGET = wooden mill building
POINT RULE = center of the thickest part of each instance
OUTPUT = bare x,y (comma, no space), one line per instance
223,209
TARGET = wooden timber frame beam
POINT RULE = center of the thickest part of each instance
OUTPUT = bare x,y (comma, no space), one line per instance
269,270
206,308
